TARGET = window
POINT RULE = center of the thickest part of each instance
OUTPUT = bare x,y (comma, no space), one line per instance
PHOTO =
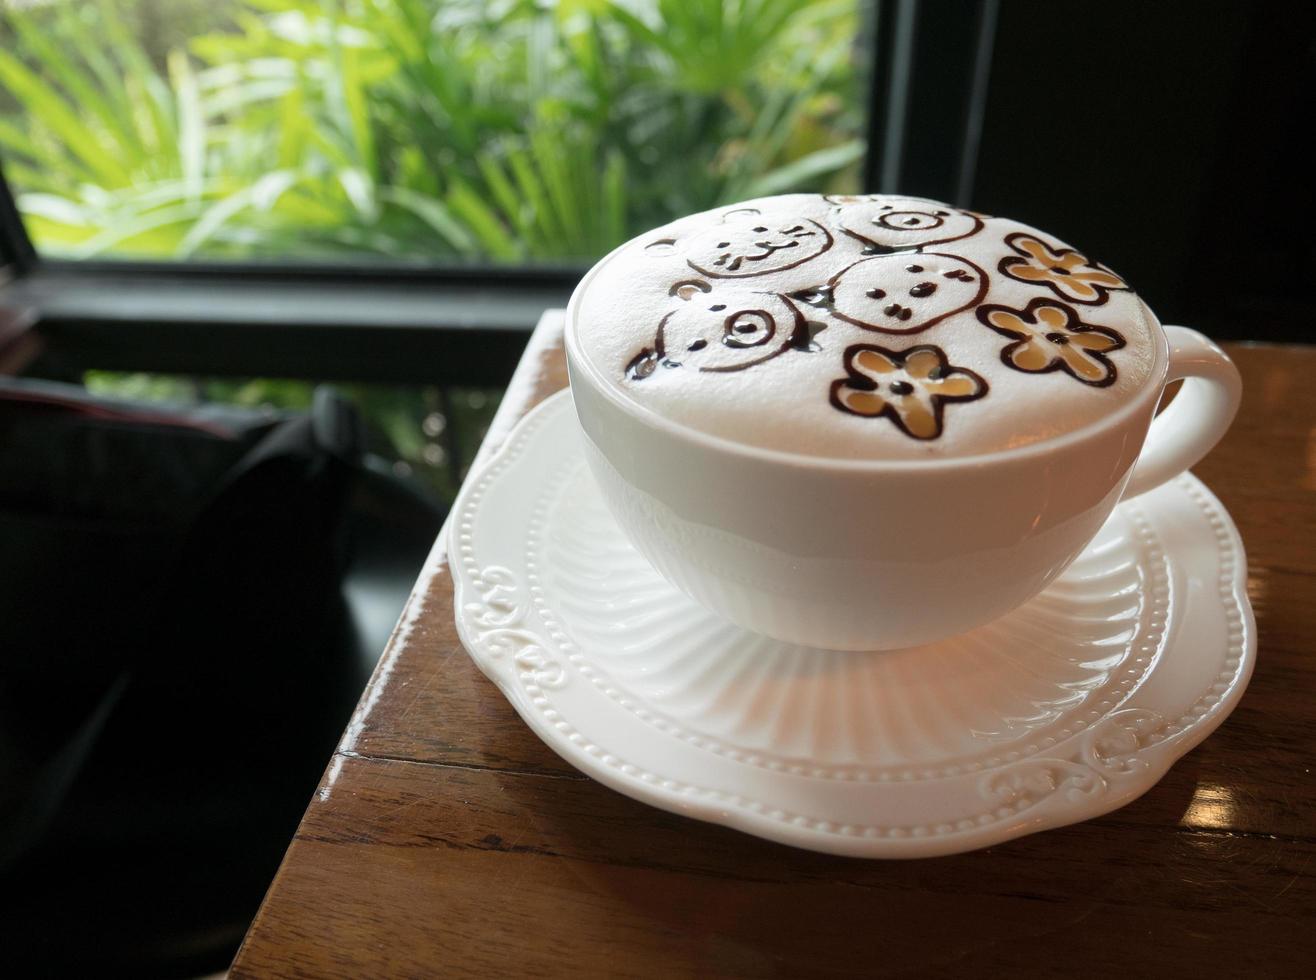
390,192
435,131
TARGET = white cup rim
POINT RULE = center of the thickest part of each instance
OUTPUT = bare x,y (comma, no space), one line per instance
1136,406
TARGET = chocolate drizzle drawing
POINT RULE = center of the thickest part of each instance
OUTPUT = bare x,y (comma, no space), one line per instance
871,264
722,328
1067,272
747,244
1049,336
884,224
911,387
905,293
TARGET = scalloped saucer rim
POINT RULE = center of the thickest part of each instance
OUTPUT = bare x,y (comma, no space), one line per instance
1179,679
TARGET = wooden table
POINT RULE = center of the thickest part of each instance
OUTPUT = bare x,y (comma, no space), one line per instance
446,839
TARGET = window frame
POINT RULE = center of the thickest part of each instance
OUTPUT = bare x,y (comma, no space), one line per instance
454,324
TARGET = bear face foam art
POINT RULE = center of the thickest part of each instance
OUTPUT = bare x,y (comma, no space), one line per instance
722,328
885,224
749,243
905,292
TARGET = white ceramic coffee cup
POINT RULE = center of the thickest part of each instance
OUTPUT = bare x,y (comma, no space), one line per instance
867,554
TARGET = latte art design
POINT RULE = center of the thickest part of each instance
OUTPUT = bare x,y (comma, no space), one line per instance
909,387
745,244
1049,336
911,293
890,311
1065,271
727,327
886,224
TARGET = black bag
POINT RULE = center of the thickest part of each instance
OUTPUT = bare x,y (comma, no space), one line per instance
140,541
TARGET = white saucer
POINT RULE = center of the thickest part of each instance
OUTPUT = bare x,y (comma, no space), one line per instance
1067,708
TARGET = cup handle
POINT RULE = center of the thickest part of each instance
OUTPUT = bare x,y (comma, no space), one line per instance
1199,415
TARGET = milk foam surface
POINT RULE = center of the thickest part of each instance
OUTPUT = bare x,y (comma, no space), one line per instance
871,327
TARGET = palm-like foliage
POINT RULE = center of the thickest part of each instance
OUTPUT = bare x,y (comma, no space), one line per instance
432,129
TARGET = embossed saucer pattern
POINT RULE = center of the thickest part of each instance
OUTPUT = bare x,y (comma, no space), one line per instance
1067,708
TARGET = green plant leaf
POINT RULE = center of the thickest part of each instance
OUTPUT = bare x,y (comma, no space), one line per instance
483,222
804,172
43,103
436,215
418,128
261,195
191,122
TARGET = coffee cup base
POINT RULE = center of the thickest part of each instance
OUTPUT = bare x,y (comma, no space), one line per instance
1066,708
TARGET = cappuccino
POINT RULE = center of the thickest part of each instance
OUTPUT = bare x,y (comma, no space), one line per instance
866,327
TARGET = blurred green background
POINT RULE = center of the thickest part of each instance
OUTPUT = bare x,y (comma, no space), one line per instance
509,130
414,131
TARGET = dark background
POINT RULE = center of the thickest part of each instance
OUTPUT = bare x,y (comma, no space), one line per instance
1171,141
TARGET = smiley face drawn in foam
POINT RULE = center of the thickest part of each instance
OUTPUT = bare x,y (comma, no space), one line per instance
720,329
889,224
906,292
748,243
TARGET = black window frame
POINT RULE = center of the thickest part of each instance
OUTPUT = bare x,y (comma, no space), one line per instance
457,324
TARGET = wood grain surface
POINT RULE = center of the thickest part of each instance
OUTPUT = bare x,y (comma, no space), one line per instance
446,839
